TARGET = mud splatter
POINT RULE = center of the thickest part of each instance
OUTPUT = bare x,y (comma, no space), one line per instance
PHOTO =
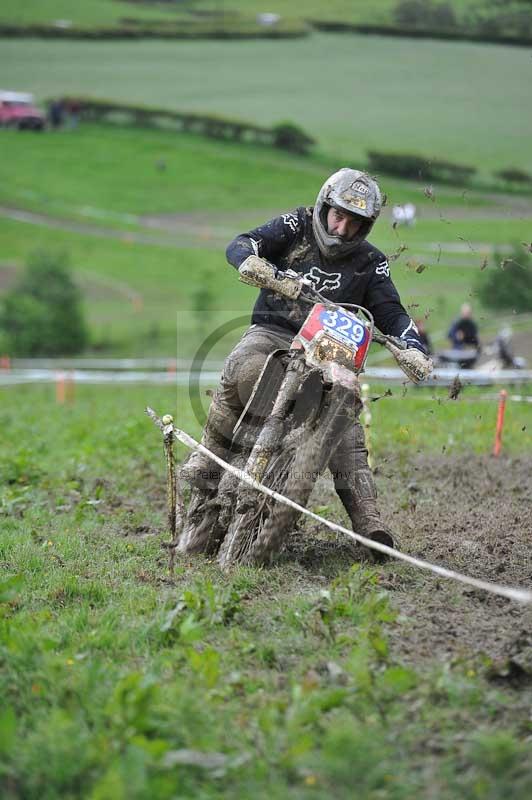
472,514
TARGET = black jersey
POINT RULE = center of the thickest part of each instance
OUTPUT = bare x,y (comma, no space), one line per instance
362,278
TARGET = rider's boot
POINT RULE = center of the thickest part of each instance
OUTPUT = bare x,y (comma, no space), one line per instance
200,471
355,486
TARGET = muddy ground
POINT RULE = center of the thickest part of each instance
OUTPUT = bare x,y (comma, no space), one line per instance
469,513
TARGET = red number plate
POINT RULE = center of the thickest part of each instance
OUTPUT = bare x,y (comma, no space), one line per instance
341,325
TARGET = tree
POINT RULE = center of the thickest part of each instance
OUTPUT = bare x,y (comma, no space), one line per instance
42,315
508,284
291,137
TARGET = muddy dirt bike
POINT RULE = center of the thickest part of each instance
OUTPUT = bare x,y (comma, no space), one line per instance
301,405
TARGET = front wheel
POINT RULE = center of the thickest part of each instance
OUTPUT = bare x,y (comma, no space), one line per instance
261,524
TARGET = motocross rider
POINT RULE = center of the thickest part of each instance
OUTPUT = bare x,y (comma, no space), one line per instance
327,244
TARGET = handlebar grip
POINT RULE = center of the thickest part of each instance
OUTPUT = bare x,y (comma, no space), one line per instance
392,343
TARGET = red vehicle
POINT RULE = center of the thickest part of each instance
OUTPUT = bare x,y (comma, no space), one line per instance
18,111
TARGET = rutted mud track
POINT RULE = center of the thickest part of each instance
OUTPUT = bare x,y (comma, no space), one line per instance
470,513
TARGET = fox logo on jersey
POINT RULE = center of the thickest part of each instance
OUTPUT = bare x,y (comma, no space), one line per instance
323,281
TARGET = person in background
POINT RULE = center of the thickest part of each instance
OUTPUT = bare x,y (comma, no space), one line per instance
56,113
463,333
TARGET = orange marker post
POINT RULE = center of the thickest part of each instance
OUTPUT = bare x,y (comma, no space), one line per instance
60,388
5,363
500,422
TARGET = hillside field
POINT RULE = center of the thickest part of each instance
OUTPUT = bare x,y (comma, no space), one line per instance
191,210
105,12
396,95
85,12
323,675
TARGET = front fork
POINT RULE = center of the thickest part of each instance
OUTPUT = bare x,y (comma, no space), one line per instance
273,430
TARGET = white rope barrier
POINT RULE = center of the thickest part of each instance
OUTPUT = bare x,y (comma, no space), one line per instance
519,595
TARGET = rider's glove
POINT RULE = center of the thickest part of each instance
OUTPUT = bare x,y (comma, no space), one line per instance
254,267
414,363
259,272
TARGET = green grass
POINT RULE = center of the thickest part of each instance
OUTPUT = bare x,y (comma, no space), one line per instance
86,174
98,12
95,12
109,669
374,93
167,280
215,191
379,12
138,171
171,283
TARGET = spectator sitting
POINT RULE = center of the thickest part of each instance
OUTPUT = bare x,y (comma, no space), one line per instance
463,333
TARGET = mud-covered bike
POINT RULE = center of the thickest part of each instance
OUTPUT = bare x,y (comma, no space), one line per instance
302,403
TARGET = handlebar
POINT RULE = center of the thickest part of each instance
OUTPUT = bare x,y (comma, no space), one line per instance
257,271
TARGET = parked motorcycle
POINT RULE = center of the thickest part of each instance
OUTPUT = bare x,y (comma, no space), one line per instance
301,406
465,358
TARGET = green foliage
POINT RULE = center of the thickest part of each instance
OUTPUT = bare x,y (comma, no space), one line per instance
200,606
423,14
420,168
496,767
514,175
117,681
111,19
20,466
508,283
291,137
42,314
494,18
203,302
285,136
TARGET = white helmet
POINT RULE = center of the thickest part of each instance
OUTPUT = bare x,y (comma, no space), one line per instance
352,191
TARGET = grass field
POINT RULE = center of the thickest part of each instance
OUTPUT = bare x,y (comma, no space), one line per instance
118,681
98,12
321,676
95,12
169,282
92,167
376,93
71,173
208,192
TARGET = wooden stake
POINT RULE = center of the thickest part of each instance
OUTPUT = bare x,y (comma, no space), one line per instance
174,495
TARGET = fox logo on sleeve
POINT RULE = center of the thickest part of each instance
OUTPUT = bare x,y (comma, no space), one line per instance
323,281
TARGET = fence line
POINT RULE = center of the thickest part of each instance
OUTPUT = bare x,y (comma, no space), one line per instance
146,370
